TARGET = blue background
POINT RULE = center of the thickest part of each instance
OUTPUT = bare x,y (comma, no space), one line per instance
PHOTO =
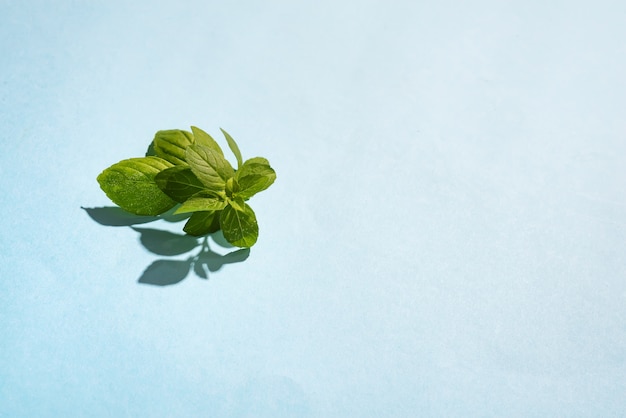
445,237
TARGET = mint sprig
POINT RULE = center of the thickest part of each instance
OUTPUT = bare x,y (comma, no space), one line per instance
189,169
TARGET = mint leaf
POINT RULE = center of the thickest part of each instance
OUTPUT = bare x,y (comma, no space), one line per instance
179,183
255,175
171,145
130,184
240,228
254,165
233,147
202,201
190,168
209,166
232,187
150,151
202,223
238,204
203,138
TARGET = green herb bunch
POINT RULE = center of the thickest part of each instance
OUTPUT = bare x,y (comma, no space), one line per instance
189,169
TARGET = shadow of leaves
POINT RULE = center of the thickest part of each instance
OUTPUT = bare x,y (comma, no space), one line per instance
209,261
165,272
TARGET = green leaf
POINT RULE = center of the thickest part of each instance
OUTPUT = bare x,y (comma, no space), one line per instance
203,138
238,204
240,228
130,184
150,151
211,168
233,147
255,175
202,223
171,145
202,201
232,187
179,183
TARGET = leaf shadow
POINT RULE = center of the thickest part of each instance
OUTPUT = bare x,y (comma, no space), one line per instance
164,271
116,216
162,242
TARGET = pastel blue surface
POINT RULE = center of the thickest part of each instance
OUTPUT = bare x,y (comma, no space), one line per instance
446,236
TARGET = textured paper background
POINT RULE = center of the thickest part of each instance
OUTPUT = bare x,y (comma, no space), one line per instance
445,238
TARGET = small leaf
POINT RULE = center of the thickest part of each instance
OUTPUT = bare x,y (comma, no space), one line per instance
239,228
165,272
233,147
210,168
150,152
238,204
171,145
252,184
179,183
202,223
130,184
232,187
203,138
257,160
256,165
201,201
255,175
